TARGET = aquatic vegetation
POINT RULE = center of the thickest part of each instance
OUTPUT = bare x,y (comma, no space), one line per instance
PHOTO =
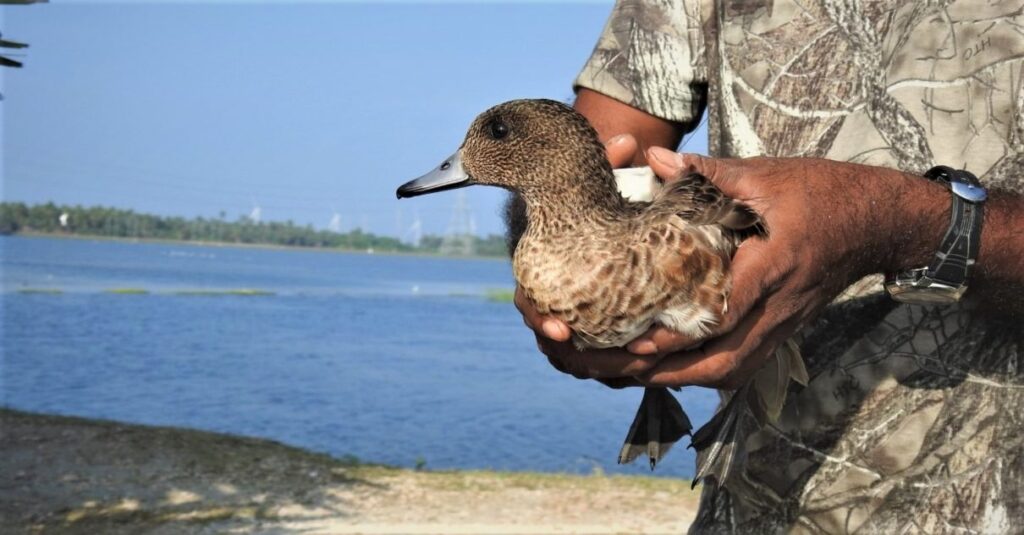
500,295
247,292
127,291
47,291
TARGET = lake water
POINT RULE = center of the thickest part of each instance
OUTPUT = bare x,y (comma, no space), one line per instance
394,359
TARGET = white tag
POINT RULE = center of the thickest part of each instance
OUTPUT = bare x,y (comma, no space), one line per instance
637,184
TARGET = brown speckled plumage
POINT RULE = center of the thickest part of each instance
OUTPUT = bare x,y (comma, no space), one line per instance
607,268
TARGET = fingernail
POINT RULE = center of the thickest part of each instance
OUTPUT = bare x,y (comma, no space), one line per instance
552,330
642,347
615,140
665,156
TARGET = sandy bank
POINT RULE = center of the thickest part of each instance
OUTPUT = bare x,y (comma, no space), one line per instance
72,475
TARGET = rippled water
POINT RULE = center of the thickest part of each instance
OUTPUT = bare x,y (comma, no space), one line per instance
394,359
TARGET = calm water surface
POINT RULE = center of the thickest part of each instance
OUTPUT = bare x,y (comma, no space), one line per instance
392,359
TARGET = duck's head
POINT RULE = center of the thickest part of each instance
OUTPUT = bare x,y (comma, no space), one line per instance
534,147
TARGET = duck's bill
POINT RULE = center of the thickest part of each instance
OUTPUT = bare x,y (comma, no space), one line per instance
449,175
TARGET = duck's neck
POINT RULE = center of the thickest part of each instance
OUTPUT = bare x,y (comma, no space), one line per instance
576,203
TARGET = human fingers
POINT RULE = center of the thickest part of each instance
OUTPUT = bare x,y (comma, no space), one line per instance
670,164
594,363
616,383
666,164
729,361
727,175
753,275
550,327
660,339
621,150
619,383
716,364
557,364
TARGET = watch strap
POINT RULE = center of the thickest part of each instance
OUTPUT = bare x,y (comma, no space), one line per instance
959,249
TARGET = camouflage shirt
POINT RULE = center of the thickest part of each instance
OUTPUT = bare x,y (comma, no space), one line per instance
914,416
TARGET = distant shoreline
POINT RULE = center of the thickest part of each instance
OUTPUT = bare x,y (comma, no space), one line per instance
238,245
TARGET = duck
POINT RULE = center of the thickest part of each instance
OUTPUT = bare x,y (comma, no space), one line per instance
613,253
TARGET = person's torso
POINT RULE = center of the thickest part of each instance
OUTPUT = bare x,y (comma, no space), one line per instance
907,85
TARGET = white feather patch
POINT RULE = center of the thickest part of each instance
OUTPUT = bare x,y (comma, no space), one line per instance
637,184
689,319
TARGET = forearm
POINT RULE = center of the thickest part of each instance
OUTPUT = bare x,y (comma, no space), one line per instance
611,118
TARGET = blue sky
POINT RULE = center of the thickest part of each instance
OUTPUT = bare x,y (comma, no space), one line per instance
306,110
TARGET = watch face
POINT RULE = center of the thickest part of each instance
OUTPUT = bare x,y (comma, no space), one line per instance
968,192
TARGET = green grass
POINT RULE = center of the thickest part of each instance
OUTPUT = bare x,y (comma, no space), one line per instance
500,295
47,291
246,292
127,291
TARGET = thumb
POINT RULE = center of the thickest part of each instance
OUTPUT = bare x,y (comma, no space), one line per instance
621,150
671,165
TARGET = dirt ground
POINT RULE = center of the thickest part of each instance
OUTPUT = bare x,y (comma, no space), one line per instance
72,475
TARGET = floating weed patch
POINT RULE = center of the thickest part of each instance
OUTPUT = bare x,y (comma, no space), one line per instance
127,291
499,295
246,292
45,291
249,291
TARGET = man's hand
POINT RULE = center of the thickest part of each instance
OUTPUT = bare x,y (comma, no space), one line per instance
829,224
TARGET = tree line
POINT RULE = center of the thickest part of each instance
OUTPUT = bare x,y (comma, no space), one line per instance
50,218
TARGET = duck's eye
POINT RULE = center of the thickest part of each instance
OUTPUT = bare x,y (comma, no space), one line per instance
497,129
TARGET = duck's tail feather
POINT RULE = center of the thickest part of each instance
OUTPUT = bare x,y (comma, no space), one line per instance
771,382
720,442
660,422
717,443
797,370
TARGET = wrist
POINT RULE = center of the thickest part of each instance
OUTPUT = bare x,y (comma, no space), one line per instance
921,216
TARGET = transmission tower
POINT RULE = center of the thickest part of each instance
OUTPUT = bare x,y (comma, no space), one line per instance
414,233
458,240
335,224
257,213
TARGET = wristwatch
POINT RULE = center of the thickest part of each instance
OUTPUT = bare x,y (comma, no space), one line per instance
944,280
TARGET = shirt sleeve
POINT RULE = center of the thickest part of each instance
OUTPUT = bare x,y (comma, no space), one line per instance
651,56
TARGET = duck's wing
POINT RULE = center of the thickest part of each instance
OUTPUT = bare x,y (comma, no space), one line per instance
697,201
